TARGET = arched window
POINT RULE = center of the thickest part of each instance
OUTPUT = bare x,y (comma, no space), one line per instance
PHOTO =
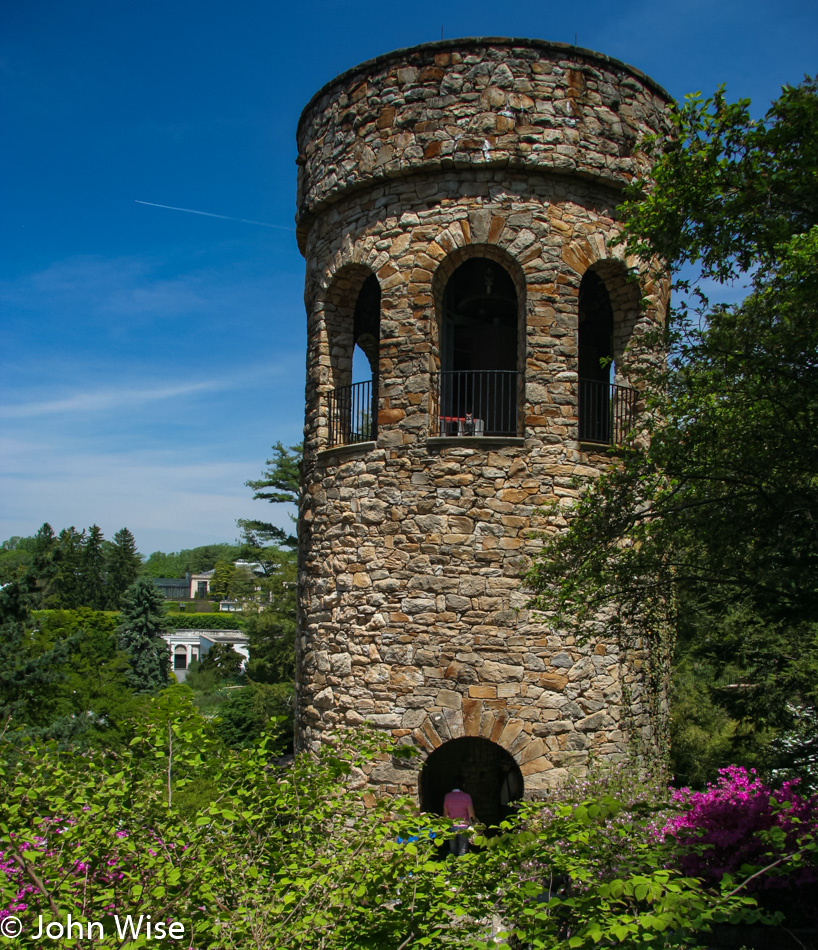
353,313
477,393
606,409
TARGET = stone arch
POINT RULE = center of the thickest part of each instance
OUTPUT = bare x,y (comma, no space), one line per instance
624,294
496,346
488,771
608,309
351,310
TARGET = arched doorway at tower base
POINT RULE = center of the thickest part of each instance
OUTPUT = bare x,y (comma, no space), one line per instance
489,774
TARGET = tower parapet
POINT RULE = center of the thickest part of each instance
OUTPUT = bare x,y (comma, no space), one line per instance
457,212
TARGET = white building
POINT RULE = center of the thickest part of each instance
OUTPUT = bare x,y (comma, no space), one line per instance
189,645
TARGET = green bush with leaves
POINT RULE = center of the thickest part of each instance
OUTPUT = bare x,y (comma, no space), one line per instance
203,621
247,853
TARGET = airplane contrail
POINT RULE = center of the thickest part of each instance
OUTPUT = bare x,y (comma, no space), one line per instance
210,214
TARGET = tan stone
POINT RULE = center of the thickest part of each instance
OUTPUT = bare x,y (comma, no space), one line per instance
541,764
553,681
472,714
483,692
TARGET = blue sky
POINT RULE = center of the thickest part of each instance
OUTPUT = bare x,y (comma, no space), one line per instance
149,357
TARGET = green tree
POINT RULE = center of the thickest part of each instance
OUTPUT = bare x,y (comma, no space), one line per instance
191,560
44,566
712,527
279,484
123,565
69,582
29,674
247,713
16,555
272,630
220,580
93,690
140,636
223,660
93,570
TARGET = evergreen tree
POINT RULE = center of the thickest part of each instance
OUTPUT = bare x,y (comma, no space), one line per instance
272,630
140,636
123,565
223,660
68,583
220,580
93,570
44,566
28,674
279,484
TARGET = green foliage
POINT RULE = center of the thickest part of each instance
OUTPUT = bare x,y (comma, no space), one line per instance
204,621
301,856
223,660
729,190
140,636
230,582
271,631
710,530
93,691
247,712
16,556
220,580
279,484
191,560
94,594
29,671
123,564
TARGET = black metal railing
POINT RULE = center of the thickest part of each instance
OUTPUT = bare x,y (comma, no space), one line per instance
606,412
476,402
353,413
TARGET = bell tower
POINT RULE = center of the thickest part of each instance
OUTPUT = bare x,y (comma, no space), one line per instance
457,213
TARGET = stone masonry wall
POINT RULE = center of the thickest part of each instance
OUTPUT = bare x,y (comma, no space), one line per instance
412,615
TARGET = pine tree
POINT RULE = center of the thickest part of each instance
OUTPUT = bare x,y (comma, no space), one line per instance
93,570
44,566
123,564
279,483
140,636
68,582
28,676
220,580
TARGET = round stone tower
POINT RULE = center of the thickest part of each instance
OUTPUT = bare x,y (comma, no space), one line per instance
457,212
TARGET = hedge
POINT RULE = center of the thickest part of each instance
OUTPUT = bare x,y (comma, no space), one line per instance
204,622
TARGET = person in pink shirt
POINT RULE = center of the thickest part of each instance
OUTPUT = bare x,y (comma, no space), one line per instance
458,806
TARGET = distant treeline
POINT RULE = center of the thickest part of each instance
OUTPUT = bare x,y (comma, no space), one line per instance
81,569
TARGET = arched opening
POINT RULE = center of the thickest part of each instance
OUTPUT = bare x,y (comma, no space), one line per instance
605,407
478,382
490,775
180,658
353,319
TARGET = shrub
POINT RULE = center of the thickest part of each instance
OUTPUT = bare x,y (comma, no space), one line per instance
204,622
739,825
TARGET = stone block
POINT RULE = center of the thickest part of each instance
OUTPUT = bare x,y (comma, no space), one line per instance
449,698
541,764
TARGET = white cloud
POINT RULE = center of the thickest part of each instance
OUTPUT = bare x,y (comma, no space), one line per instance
106,400
166,503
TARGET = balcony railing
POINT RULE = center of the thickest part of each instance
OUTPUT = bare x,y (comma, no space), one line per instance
476,402
606,412
353,413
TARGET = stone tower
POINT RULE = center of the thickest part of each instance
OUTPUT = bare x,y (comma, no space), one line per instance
457,210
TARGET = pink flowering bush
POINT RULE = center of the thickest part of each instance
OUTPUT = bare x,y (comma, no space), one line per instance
741,823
